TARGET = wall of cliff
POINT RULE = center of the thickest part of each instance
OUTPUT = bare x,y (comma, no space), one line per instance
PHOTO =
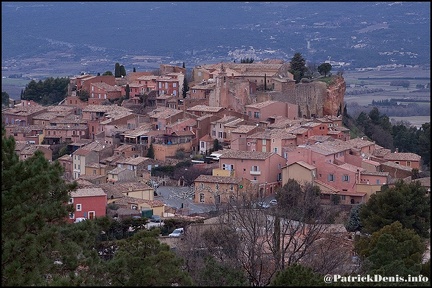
314,98
334,99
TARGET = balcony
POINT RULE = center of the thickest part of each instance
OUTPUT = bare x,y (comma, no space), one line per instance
255,173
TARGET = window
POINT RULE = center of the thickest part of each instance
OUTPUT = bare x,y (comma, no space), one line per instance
78,207
408,163
378,181
71,216
343,197
330,177
345,178
202,185
202,144
264,141
174,84
94,171
256,114
220,135
231,187
201,198
217,186
255,168
70,201
229,167
275,150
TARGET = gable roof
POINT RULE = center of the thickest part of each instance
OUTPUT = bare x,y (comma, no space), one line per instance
88,192
249,155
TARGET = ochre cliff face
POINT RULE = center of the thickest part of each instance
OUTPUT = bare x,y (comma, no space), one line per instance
334,98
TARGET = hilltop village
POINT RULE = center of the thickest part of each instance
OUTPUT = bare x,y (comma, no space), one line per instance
262,126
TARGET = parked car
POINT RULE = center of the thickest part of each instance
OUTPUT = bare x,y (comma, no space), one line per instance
263,204
155,218
80,219
273,202
177,232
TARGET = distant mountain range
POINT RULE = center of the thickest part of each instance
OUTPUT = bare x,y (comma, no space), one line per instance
92,36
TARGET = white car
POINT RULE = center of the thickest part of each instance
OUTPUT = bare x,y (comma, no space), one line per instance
177,232
80,219
273,202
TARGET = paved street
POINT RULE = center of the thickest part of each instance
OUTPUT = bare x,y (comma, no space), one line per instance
176,196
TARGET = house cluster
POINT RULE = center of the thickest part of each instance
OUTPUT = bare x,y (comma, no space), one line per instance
104,145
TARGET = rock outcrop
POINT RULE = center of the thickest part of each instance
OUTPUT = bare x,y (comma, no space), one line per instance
334,100
314,98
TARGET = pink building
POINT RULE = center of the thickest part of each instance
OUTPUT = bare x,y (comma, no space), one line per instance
170,84
101,90
161,117
262,168
88,203
62,134
263,110
239,137
22,115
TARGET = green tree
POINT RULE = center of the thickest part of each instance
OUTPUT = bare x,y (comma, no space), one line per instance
83,95
150,152
107,73
5,99
324,68
216,145
127,91
47,92
117,72
185,87
353,224
134,69
217,274
34,208
142,260
297,275
392,250
407,203
298,67
122,71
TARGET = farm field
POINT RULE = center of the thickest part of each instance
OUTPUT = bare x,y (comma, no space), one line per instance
360,81
414,120
378,85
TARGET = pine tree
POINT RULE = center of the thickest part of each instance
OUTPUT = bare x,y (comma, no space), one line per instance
122,71
298,67
150,152
117,70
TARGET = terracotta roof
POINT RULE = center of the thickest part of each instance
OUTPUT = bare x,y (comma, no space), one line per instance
116,170
351,167
206,138
304,164
217,179
133,160
398,166
165,113
374,173
263,104
380,152
425,181
402,156
88,192
243,129
252,155
205,108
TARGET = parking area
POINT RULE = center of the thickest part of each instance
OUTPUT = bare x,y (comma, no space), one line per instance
181,197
